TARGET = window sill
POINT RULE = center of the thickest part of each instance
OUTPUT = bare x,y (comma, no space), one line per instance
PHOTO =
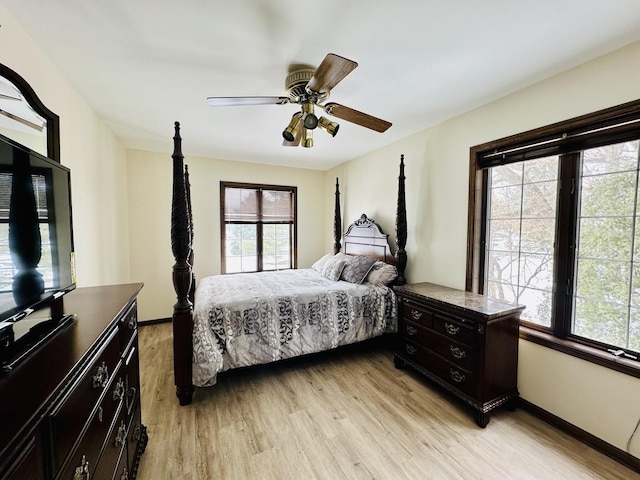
584,352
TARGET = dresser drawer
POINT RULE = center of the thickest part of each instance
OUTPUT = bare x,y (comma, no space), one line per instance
98,429
122,470
414,352
454,375
72,414
128,326
455,329
114,449
28,463
457,353
135,436
132,375
412,331
416,313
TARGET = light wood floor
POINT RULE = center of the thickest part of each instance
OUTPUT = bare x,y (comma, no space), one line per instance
346,415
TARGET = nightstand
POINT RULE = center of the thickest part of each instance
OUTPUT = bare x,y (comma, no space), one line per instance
465,342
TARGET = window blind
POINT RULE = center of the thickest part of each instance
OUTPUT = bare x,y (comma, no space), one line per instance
564,137
258,205
39,190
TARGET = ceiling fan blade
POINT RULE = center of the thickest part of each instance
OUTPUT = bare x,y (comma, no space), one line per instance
330,72
21,120
239,101
354,116
295,143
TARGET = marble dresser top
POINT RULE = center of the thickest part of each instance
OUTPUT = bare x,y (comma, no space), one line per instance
487,306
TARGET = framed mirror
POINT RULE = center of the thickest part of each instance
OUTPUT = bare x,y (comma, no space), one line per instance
23,117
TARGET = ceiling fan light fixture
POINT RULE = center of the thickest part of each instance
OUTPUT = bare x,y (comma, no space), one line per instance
289,133
310,121
308,117
307,138
328,126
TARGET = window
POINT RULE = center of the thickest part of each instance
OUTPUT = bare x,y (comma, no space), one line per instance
521,226
258,227
554,224
606,296
39,192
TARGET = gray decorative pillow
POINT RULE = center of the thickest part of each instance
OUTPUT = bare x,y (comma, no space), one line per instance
382,274
320,263
357,268
332,268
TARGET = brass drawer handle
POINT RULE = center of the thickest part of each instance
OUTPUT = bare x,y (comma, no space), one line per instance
457,352
101,377
131,397
121,437
82,472
451,328
457,376
411,349
118,391
411,330
416,315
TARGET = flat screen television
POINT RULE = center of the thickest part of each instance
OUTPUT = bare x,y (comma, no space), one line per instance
36,247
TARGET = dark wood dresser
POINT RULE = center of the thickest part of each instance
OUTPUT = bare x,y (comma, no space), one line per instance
465,342
71,409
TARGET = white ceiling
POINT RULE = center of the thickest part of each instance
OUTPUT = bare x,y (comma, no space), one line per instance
143,64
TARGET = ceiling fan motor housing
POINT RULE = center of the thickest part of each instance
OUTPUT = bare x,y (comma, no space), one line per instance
296,82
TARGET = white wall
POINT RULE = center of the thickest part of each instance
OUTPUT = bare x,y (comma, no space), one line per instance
150,217
596,399
97,160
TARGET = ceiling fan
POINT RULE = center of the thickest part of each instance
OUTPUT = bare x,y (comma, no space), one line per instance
13,116
310,87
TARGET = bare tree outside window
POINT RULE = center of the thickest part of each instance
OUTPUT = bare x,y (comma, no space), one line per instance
521,225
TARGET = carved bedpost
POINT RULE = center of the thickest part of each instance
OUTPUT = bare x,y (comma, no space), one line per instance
187,185
25,240
337,222
401,227
181,247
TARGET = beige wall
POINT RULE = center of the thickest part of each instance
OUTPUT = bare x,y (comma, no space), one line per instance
150,214
95,156
596,399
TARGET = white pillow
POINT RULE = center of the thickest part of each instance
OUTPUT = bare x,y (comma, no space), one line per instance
382,274
320,263
332,268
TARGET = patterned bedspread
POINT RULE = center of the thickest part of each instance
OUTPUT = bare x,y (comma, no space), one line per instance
253,318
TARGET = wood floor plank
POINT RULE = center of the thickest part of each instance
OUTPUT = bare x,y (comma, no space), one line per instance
341,415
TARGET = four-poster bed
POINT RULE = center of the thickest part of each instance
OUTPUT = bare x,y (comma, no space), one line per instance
227,323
